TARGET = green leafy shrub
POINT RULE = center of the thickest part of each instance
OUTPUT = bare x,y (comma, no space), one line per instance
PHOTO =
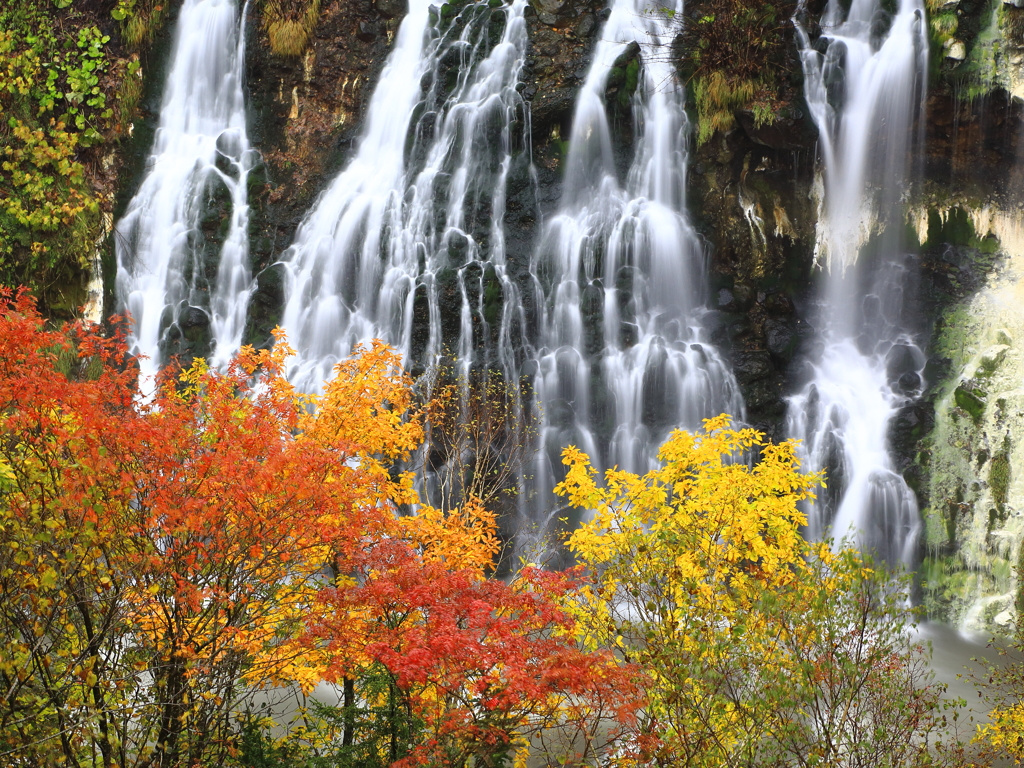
54,106
140,20
64,95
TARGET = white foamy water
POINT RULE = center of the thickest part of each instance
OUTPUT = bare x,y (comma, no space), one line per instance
619,274
418,211
864,83
201,153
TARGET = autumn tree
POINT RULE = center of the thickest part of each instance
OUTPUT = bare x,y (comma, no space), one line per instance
450,667
160,558
1001,683
61,599
763,649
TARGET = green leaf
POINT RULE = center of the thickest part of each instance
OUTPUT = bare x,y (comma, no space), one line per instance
49,579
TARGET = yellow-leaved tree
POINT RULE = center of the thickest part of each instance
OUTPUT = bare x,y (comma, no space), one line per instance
761,648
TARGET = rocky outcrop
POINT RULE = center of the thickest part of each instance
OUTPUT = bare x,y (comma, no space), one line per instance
306,116
751,199
562,37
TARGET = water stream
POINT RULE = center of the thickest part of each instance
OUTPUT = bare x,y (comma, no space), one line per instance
864,83
168,276
619,274
405,242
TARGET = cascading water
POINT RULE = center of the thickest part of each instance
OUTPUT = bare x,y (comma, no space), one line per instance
619,273
412,227
200,161
864,84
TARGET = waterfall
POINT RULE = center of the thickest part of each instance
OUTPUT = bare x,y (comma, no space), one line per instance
199,164
406,244
864,84
619,276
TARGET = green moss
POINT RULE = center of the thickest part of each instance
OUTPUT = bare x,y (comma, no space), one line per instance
989,245
632,75
981,69
944,582
972,402
955,228
1019,602
936,532
629,76
999,477
492,296
958,336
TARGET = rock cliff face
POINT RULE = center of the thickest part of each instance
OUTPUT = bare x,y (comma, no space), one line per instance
752,198
307,111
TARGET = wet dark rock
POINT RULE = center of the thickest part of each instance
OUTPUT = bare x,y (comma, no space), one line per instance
781,338
306,112
744,297
561,40
194,324
785,134
909,383
908,427
391,9
903,359
458,248
586,26
266,306
193,317
778,303
751,365
367,32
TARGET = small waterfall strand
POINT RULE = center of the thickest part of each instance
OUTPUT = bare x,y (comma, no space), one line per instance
412,227
197,174
619,274
864,83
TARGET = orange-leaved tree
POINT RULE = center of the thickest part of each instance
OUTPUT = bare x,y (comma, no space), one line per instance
163,560
449,667
159,558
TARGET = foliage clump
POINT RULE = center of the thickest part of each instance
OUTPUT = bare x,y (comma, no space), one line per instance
166,555
63,95
762,649
737,55
999,476
140,20
289,24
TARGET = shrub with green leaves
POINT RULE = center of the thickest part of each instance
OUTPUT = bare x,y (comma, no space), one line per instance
57,86
49,90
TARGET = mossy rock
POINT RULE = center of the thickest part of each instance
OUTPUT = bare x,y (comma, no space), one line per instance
999,477
971,402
